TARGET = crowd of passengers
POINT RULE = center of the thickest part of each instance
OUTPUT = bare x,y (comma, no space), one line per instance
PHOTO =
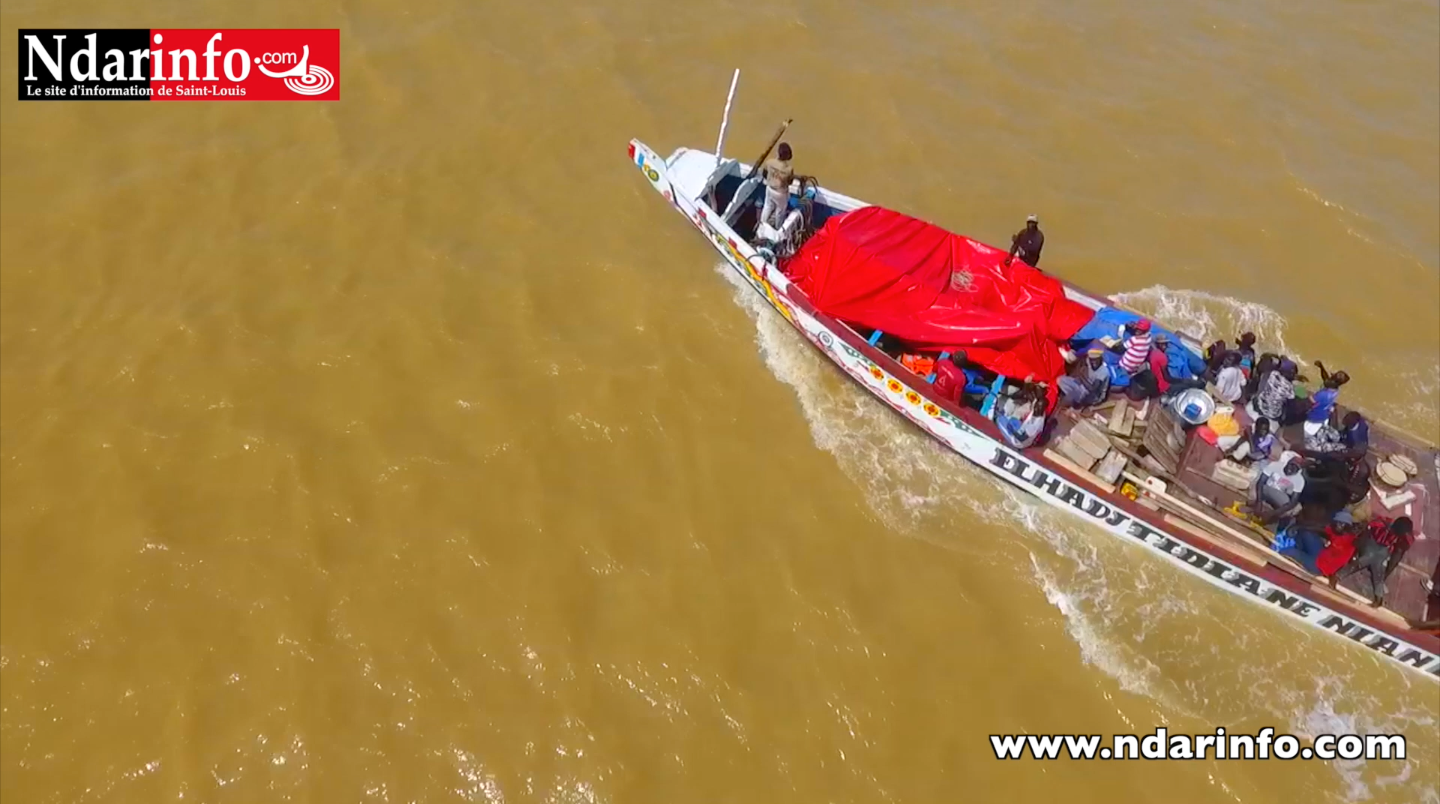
1314,493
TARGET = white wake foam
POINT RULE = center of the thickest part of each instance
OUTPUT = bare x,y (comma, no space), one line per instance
1211,316
915,487
1415,403
1114,598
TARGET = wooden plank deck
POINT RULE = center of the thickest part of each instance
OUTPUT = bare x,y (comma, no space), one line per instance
1407,598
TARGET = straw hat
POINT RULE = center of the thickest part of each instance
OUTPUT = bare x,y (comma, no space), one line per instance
1405,464
1390,474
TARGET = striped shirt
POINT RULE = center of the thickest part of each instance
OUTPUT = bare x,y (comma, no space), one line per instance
1137,353
1381,534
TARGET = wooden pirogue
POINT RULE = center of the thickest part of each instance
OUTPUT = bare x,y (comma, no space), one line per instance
1132,470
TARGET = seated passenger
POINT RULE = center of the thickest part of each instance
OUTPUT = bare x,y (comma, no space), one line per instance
1339,549
1350,441
1324,438
1021,418
1304,545
1230,380
1262,367
1245,347
1278,487
1276,388
955,378
1355,433
1215,355
1088,382
1340,484
1256,446
1192,367
1173,376
1380,549
1323,402
1134,347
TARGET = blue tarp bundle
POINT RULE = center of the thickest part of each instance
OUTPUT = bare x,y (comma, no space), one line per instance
1107,323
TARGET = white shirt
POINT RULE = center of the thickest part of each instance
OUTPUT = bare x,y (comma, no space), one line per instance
1274,474
1230,384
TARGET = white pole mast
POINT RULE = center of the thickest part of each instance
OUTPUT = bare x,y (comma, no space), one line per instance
725,120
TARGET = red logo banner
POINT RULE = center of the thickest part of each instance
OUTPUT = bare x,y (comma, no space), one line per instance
141,64
245,64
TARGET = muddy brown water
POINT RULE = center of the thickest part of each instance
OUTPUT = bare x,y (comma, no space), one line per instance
408,448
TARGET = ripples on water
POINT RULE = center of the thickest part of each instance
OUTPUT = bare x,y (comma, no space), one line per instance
1125,609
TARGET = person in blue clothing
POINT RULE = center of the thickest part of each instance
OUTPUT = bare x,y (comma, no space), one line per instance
1349,442
1245,347
1355,433
1304,545
1322,403
1256,447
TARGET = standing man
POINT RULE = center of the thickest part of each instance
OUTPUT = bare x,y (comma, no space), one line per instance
778,174
1027,242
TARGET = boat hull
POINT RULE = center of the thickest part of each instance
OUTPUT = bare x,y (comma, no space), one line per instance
1049,483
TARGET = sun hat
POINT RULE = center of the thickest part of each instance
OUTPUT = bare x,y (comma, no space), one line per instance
1390,474
1404,464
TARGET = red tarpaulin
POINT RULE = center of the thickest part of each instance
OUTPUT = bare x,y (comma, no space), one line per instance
938,291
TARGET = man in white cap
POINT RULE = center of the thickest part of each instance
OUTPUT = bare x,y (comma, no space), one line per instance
1027,242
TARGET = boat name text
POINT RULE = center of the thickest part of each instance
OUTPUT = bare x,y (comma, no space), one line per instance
1119,521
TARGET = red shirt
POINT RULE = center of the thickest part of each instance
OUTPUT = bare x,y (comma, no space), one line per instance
1380,533
949,381
1158,363
1334,557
